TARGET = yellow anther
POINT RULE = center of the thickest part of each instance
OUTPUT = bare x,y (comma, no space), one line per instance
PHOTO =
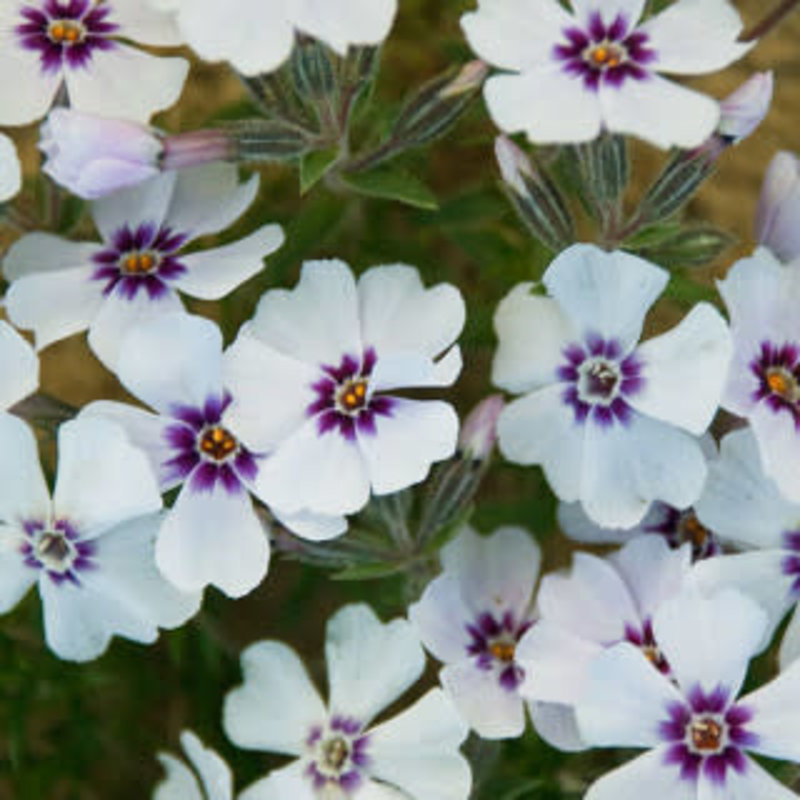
360,390
503,651
58,32
65,31
706,734
778,382
600,55
139,263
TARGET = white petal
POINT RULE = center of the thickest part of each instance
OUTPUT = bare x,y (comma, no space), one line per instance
118,315
516,35
418,750
399,315
631,10
576,524
659,111
209,198
647,773
755,783
652,570
10,169
491,710
212,274
790,644
440,617
142,23
317,322
540,428
213,537
103,479
341,23
413,369
180,782
696,36
356,640
605,293
44,252
276,706
532,333
26,91
685,370
23,491
739,503
20,367
496,573
625,700
146,202
16,577
592,601
54,304
174,358
127,83
779,445
325,473
626,467
415,435
311,526
556,725
708,641
213,771
546,103
287,783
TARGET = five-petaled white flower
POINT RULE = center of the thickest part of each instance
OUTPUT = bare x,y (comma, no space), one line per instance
207,777
314,374
76,44
90,549
212,533
573,75
613,424
59,287
697,727
471,618
339,753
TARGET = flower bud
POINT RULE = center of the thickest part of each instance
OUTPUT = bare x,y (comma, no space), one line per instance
479,430
743,111
778,213
534,196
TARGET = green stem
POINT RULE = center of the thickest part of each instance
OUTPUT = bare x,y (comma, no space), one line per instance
770,21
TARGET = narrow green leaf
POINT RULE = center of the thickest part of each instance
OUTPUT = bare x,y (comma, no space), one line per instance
368,572
392,184
315,165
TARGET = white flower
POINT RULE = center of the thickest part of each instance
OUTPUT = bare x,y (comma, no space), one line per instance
211,534
746,508
778,213
59,287
335,349
339,753
697,728
471,618
19,367
48,44
613,424
90,549
10,169
207,778
258,36
573,75
763,385
599,603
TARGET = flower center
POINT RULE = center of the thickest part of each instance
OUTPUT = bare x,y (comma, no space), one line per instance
334,753
782,383
695,532
706,734
605,55
54,551
352,396
600,380
139,263
217,443
503,650
66,31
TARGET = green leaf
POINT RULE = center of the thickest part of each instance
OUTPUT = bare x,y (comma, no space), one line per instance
315,165
368,572
392,184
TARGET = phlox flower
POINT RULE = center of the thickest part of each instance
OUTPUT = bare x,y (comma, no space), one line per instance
212,534
574,74
697,729
10,169
613,423
471,618
763,385
599,603
258,35
778,214
59,287
314,375
746,508
76,44
339,752
206,777
90,548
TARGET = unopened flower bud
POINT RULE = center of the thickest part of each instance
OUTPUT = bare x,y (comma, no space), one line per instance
479,430
743,111
778,213
534,196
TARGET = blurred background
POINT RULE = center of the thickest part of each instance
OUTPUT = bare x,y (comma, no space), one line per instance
90,732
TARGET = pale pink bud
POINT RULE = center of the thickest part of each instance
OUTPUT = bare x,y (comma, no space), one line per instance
513,163
743,111
479,431
778,213
470,77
